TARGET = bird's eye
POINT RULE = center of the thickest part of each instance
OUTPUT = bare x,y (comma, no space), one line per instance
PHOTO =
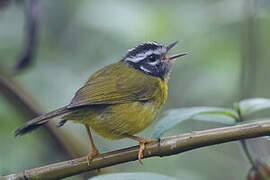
151,58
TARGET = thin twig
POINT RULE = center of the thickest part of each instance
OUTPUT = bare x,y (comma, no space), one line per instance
243,142
165,147
32,13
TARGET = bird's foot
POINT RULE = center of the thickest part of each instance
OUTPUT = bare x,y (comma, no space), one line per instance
91,156
142,143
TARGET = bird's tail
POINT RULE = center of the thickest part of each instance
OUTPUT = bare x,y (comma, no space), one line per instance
40,120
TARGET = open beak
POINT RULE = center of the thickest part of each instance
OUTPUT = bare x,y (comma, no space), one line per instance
177,56
169,47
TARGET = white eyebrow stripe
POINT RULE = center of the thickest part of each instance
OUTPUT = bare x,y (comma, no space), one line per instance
157,51
137,58
149,52
142,56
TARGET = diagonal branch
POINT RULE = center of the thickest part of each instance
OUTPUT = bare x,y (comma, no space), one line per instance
164,147
29,108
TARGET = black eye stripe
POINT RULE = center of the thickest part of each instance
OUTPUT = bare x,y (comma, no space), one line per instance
146,57
151,58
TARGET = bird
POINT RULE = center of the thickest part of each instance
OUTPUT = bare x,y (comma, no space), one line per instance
119,100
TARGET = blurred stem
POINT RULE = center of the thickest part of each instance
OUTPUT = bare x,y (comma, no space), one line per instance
244,144
249,39
32,13
249,66
164,147
29,109
26,105
248,154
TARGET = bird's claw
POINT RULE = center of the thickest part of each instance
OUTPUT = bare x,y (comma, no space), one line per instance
91,156
142,147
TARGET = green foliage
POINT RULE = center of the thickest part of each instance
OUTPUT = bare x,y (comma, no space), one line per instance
180,115
250,106
132,176
224,116
217,118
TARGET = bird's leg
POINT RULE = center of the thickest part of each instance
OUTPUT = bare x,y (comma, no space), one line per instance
94,151
142,143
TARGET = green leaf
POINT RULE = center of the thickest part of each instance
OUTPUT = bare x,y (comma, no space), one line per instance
218,118
176,116
132,176
266,138
249,106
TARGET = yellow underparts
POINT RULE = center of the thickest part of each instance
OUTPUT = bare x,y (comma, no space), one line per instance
117,120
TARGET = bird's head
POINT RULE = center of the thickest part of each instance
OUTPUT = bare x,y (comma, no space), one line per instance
151,58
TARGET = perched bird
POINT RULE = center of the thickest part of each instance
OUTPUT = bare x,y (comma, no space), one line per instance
120,99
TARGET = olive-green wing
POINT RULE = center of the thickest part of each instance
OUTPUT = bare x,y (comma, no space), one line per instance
114,84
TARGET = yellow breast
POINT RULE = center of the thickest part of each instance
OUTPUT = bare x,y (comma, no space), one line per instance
114,121
161,94
130,100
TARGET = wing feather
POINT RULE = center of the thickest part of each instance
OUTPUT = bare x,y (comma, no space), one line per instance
114,84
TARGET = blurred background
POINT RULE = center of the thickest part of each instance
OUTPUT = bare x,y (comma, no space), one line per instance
228,46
